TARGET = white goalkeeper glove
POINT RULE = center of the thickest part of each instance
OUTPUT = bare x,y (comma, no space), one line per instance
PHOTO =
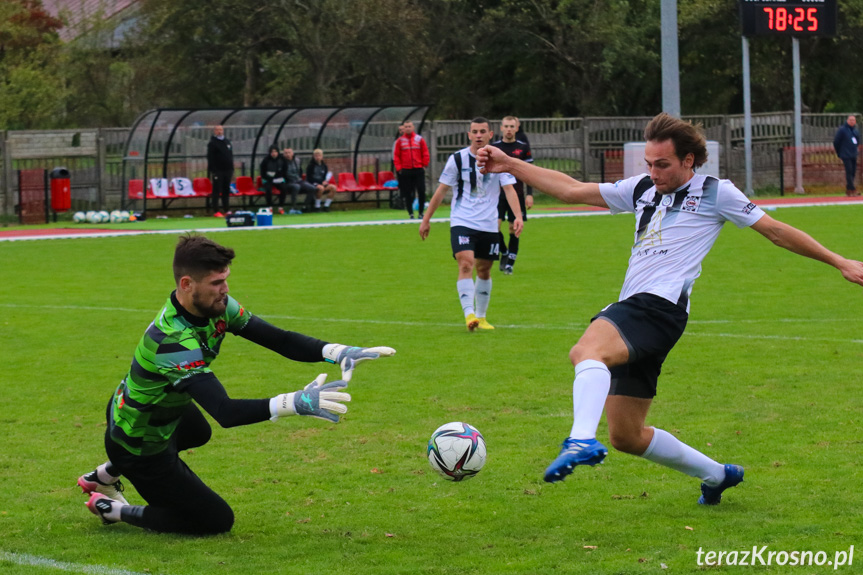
348,357
316,399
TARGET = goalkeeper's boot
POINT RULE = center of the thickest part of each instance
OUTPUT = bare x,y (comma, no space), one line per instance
574,452
713,495
102,506
90,484
472,321
483,324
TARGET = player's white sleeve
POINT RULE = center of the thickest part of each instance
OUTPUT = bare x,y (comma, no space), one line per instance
449,176
618,196
734,206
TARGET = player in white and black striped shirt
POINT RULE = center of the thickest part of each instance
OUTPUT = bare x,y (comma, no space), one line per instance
678,217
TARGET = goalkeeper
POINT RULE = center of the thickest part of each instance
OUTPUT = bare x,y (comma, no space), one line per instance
152,416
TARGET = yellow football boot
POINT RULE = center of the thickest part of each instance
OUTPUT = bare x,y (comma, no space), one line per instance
472,322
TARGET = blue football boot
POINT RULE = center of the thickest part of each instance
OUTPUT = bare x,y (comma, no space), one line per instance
713,495
574,452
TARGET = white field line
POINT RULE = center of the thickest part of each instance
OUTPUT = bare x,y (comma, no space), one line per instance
574,327
121,233
48,563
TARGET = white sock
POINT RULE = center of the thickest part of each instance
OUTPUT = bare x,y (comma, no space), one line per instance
669,451
465,295
589,390
327,202
103,475
483,295
317,203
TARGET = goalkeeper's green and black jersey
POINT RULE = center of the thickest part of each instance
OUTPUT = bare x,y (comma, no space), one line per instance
177,346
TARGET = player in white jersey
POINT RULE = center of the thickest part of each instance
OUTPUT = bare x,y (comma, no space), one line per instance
473,222
617,360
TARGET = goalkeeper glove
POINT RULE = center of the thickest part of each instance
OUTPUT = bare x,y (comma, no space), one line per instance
348,357
316,399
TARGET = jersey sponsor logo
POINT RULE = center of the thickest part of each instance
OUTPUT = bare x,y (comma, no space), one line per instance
749,207
463,240
220,328
517,152
187,365
690,204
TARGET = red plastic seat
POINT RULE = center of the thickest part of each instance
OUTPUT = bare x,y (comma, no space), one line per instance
384,177
136,189
202,186
246,187
367,181
347,183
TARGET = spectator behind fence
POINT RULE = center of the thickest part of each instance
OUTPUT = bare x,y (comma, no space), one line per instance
273,176
295,182
410,157
220,165
845,143
320,176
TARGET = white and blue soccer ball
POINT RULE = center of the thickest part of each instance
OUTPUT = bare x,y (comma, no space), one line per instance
114,217
457,451
79,217
104,217
93,217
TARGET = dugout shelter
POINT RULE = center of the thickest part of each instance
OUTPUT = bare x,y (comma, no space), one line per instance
168,143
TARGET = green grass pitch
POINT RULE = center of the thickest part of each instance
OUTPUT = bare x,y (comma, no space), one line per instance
766,376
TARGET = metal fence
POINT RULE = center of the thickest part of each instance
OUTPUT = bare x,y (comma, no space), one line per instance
586,148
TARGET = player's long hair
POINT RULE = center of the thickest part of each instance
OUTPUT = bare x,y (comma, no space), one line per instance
687,138
196,256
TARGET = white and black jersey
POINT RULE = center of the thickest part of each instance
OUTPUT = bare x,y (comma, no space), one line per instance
675,231
474,194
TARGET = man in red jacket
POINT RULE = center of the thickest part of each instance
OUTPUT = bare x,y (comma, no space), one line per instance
411,156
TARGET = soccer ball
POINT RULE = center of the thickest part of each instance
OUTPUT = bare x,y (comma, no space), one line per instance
93,217
104,216
79,217
116,217
457,451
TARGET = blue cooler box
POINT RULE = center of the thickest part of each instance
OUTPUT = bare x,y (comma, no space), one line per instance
265,217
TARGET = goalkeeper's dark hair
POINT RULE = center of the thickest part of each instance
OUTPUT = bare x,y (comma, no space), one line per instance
196,256
686,137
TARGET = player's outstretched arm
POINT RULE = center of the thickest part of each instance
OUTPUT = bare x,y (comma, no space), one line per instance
318,399
434,203
803,244
551,182
348,357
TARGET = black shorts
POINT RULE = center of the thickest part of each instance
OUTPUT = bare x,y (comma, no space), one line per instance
650,326
484,245
505,213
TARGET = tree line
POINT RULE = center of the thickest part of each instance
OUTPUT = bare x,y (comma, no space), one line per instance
533,58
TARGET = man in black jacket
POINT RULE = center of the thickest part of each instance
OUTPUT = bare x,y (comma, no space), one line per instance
845,143
273,176
220,164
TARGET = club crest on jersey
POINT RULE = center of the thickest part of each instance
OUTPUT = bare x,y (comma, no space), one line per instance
220,328
667,200
690,204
